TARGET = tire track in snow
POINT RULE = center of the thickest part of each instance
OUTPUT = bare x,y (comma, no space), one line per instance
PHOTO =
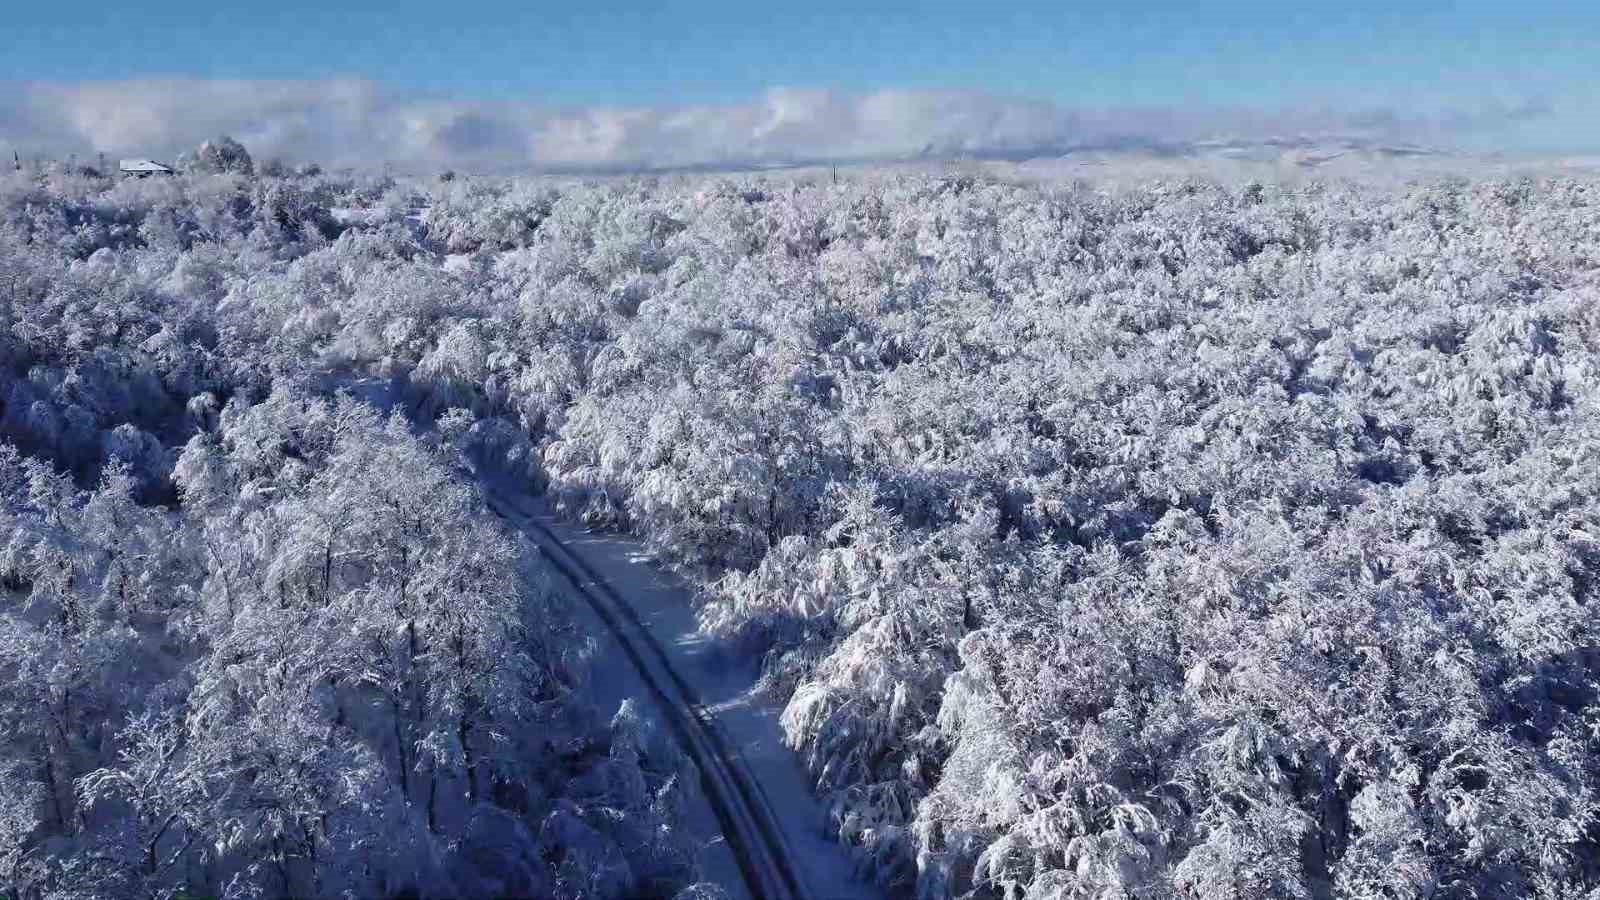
742,808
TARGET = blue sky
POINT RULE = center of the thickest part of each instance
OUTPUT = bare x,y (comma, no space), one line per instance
1512,76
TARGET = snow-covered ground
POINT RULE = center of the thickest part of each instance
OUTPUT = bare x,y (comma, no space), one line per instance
723,685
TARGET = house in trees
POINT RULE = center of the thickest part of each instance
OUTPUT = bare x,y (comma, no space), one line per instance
143,168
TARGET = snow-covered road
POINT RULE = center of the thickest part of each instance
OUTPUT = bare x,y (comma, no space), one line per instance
755,786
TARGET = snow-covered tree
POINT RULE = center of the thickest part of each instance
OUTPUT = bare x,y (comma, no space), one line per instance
222,155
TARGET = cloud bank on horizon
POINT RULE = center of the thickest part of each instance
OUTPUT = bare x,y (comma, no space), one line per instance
357,122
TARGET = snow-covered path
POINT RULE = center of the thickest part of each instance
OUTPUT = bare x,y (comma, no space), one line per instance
719,693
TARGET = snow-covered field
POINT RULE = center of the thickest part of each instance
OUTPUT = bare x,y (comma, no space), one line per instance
1157,539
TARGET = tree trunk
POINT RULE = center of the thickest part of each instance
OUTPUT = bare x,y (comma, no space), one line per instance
433,799
400,747
327,570
55,791
463,732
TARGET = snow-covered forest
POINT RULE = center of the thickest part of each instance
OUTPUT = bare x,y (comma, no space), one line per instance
1172,541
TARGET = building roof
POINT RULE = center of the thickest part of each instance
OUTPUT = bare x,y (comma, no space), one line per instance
142,165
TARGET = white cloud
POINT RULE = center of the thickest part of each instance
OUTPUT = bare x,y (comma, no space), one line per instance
352,122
